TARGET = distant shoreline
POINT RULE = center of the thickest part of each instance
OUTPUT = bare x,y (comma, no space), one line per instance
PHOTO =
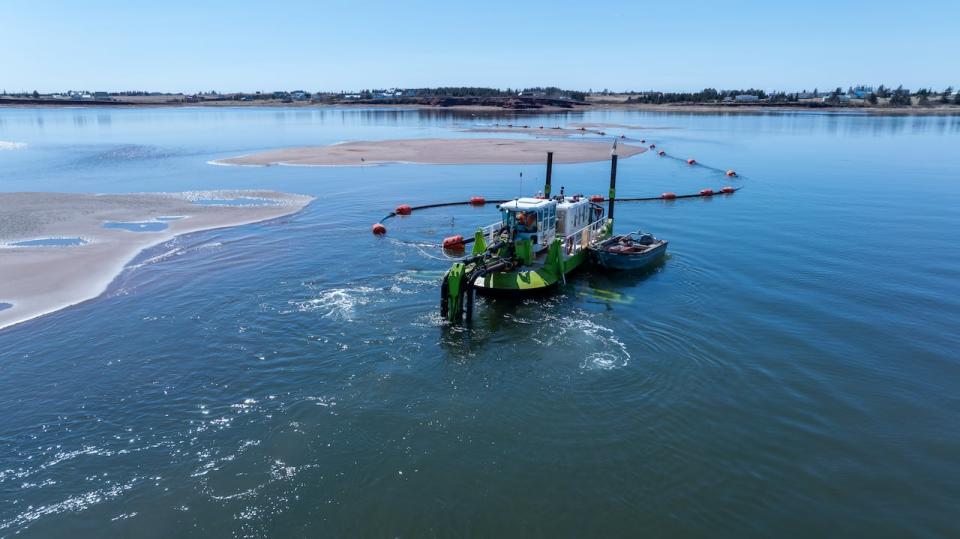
733,108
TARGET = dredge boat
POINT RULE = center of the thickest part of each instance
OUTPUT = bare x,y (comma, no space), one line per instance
536,243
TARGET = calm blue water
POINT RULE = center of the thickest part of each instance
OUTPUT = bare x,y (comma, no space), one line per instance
792,369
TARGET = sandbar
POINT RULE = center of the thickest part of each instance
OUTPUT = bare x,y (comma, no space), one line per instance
36,281
436,151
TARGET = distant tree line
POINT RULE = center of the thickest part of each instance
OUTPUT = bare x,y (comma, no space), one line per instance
707,95
475,91
899,97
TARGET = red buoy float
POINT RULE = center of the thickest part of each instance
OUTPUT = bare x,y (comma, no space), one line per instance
453,243
668,196
596,198
661,153
731,173
478,201
403,209
691,161
727,189
378,229
706,192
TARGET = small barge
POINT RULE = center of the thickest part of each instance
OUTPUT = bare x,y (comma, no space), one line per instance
633,251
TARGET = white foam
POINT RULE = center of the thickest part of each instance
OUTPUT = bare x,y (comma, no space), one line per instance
606,351
336,303
7,145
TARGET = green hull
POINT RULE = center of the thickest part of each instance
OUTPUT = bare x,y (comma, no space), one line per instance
534,280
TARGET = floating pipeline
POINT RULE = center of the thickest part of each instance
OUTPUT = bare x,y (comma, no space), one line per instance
694,163
457,243
380,229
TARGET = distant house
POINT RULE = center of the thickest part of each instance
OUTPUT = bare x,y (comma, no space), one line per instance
728,99
101,96
861,92
747,98
388,94
299,95
842,98
807,95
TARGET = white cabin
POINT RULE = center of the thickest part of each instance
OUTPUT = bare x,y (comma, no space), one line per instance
541,220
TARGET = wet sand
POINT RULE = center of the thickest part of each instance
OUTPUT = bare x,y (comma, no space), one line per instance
40,280
436,151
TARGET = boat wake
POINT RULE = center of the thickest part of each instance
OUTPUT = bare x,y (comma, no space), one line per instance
579,332
336,303
7,145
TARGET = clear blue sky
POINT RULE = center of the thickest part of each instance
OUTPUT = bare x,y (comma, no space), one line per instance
176,45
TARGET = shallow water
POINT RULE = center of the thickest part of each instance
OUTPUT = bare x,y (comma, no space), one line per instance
239,201
790,369
137,226
49,242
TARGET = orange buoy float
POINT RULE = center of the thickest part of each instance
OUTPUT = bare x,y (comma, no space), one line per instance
453,243
727,189
668,196
691,161
661,153
378,229
731,173
596,198
706,192
478,201
403,209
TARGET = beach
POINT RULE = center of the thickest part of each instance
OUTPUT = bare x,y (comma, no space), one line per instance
37,279
435,151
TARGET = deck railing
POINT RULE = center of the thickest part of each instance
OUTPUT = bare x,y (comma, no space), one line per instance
581,238
490,231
